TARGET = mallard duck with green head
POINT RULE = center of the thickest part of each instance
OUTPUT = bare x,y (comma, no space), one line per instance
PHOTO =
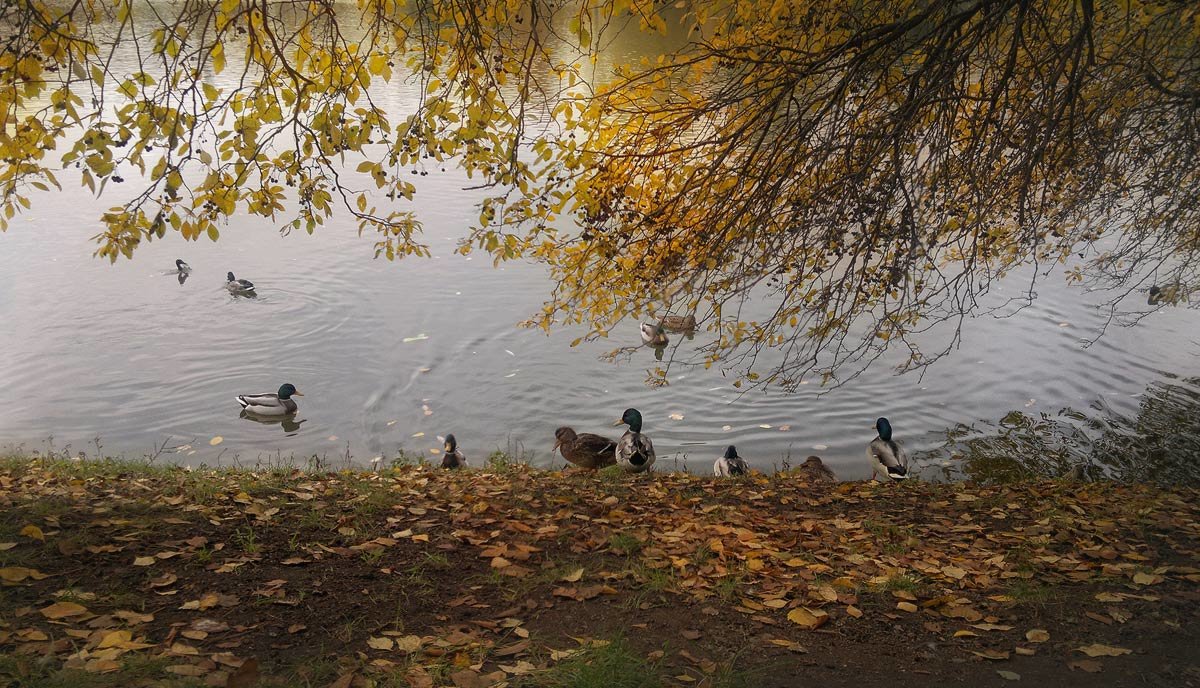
886,456
271,404
635,451
584,449
238,286
452,456
730,464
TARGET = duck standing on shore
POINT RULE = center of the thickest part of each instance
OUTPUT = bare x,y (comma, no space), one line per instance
584,450
453,457
887,458
271,404
816,470
730,464
635,451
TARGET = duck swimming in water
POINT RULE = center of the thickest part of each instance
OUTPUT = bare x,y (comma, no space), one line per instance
271,404
182,267
654,335
678,323
887,458
238,285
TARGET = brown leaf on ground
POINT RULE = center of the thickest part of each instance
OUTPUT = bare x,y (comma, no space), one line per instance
1091,666
244,676
62,610
1098,650
1037,635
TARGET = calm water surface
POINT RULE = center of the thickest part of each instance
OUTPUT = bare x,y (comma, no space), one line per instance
387,351
384,351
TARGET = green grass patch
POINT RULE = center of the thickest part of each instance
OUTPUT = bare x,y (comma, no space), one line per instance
27,672
601,665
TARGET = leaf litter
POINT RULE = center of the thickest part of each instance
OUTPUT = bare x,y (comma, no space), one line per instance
216,547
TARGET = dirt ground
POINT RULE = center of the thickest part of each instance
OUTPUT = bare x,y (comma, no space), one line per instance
417,576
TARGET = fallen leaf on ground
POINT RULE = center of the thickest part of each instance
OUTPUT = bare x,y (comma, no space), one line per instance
1091,666
379,643
244,676
804,617
62,610
1037,635
1098,650
16,574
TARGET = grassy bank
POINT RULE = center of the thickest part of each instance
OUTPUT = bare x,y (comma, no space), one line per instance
122,574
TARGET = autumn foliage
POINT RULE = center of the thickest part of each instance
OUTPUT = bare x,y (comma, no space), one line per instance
862,169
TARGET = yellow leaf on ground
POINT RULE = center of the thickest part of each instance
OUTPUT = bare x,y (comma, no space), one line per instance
61,610
115,639
906,607
32,531
216,440
1142,578
854,611
811,619
408,643
1037,635
144,561
16,574
574,576
379,643
1098,650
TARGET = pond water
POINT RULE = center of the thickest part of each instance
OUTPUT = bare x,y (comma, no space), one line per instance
384,351
393,355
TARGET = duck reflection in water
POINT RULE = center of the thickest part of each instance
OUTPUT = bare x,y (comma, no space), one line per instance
289,423
183,277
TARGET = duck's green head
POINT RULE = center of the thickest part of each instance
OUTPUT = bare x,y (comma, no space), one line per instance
632,418
451,444
288,390
885,429
731,452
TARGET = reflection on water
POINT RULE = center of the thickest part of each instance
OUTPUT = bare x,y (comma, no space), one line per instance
289,424
1159,442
